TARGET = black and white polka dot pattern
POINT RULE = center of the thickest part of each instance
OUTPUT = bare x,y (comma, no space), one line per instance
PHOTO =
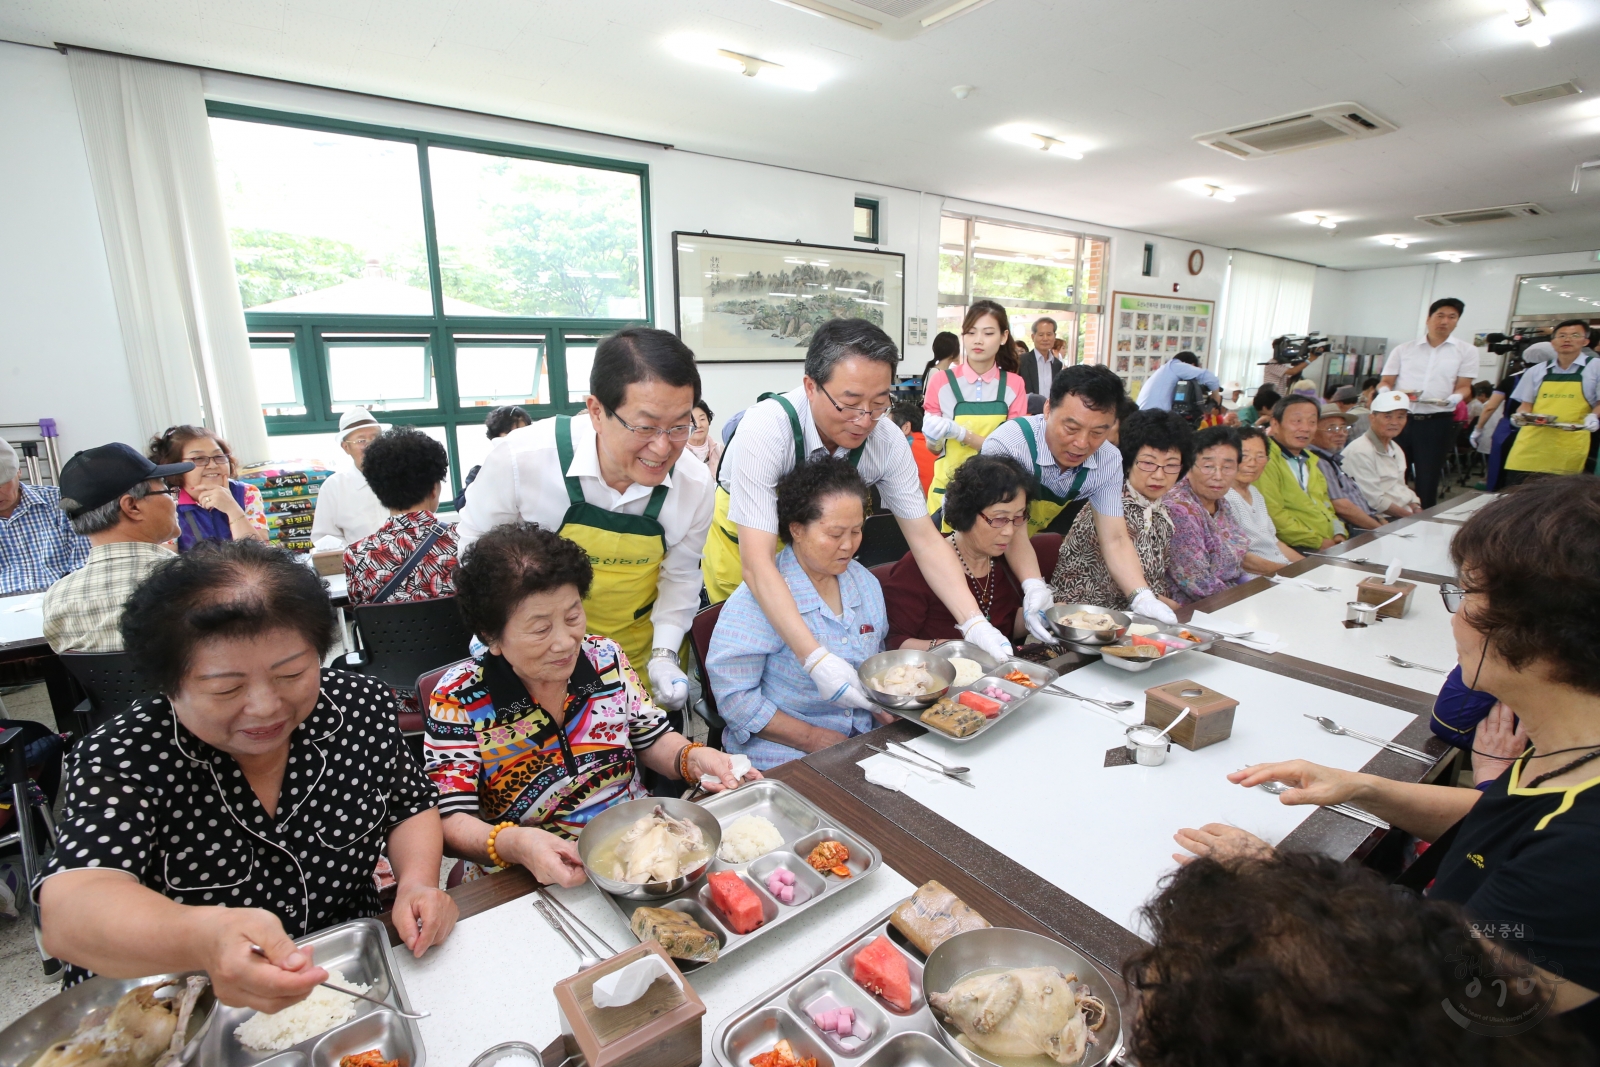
144,795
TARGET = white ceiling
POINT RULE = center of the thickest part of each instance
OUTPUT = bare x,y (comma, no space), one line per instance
1135,79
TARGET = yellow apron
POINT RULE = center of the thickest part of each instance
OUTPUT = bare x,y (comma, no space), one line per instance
719,563
1544,448
626,553
979,416
1046,505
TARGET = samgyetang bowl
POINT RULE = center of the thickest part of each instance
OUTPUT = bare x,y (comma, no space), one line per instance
1057,616
993,949
943,671
600,836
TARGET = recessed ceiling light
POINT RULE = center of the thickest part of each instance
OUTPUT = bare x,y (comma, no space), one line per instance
1022,134
1311,218
789,72
1216,192
1453,257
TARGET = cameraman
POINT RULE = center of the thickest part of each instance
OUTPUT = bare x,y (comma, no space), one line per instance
1281,374
1183,367
1436,373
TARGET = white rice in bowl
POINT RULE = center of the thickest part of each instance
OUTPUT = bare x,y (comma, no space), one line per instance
750,837
317,1014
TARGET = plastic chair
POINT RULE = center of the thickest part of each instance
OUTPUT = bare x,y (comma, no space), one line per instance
402,642
113,684
426,684
700,631
28,814
882,541
1047,546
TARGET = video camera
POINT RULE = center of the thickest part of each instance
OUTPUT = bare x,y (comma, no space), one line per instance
1298,348
1517,342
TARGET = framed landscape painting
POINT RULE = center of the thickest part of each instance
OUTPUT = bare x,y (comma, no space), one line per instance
741,300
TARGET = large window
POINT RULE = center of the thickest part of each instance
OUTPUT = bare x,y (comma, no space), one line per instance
424,277
1031,273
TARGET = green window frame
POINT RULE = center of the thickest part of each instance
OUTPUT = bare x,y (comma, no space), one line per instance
874,215
308,336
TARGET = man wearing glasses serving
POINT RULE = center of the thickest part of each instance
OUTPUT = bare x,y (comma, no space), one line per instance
838,410
618,483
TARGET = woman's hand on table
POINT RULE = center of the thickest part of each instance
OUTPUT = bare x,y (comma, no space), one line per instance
1499,739
284,975
1220,842
423,916
705,762
550,859
1310,783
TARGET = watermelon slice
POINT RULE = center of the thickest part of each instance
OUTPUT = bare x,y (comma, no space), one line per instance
988,707
881,969
739,907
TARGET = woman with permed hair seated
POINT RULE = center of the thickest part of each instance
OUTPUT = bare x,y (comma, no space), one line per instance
247,804
547,728
764,693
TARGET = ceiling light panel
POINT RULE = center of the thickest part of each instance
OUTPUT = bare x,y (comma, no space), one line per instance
1060,145
781,69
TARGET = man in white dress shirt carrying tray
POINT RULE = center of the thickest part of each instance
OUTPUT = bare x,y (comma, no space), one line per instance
619,482
838,410
1436,373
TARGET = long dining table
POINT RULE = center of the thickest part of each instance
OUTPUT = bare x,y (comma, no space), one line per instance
1051,839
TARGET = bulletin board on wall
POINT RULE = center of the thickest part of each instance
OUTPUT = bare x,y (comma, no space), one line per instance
1148,330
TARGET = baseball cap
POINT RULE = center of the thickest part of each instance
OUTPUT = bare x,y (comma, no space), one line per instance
100,475
1390,401
357,419
1330,410
1346,394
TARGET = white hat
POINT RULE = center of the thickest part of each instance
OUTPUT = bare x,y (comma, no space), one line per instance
1390,401
357,419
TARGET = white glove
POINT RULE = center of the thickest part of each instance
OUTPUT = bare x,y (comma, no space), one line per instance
836,680
1146,604
668,682
1038,598
981,632
1472,438
1591,422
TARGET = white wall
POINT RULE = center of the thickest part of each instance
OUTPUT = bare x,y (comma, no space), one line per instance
61,350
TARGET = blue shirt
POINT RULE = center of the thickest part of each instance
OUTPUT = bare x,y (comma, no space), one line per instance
754,675
37,544
1157,391
1458,710
1102,486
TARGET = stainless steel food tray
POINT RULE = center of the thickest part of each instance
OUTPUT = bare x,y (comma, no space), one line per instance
994,674
60,1017
803,826
360,950
1207,639
898,1039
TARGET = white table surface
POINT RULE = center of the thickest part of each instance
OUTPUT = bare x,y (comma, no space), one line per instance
1312,625
493,980
1467,507
21,618
1045,798
1419,546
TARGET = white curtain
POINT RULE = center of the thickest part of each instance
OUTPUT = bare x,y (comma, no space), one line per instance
1265,297
149,147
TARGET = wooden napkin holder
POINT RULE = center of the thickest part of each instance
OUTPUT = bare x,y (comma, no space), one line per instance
660,1029
1210,717
1374,591
329,563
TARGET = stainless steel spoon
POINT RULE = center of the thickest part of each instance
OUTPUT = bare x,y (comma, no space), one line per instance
1398,662
1393,746
945,767
1109,705
360,996
1275,788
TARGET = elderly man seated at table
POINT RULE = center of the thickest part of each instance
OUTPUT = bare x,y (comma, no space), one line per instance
766,696
1376,462
1208,544
413,554
1292,481
986,505
1267,554
1349,503
547,728
248,804
1157,449
37,542
116,498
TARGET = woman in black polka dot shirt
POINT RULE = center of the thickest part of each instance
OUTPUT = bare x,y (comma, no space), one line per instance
249,804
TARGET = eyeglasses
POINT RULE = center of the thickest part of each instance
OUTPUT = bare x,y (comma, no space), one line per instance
1217,468
1002,522
1452,595
675,434
163,492
855,414
219,460
1150,466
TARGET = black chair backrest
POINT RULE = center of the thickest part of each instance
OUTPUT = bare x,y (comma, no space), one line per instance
700,630
110,679
882,541
403,641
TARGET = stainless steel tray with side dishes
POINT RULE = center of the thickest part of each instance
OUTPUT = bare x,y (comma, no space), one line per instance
360,951
803,826
882,1034
1163,629
994,675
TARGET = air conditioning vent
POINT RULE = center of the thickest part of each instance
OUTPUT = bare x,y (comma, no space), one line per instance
1290,133
895,19
1549,92
1484,214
